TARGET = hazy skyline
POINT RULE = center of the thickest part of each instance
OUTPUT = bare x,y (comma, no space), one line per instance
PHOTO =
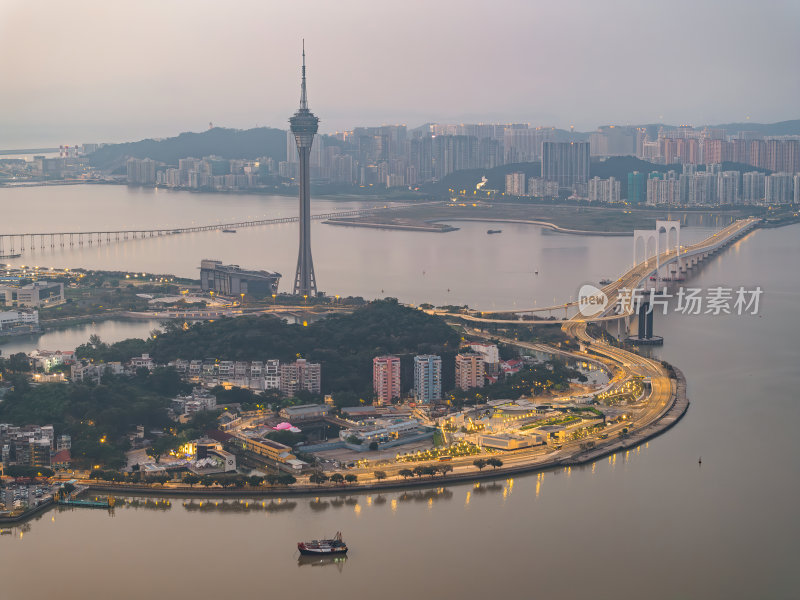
87,71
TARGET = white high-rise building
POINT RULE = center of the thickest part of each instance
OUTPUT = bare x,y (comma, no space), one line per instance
515,184
702,189
541,188
490,352
778,189
753,184
603,190
524,145
427,378
728,187
141,171
663,191
797,189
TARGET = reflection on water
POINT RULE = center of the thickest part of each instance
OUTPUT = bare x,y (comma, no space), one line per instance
239,506
426,495
144,503
69,509
322,561
278,505
483,488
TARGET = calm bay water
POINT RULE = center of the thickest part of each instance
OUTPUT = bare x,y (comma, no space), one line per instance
465,266
649,523
110,331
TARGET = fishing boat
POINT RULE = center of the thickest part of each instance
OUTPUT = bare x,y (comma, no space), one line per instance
328,547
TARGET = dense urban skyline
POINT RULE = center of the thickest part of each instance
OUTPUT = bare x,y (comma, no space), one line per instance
163,69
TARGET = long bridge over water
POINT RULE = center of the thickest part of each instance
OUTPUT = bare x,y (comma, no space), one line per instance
17,243
674,261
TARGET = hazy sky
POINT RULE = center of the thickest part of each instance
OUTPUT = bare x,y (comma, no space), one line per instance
75,71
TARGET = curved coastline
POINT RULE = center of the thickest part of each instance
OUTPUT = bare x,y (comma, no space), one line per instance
678,405
546,224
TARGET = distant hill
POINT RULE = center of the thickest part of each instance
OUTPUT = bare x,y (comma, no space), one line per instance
225,143
780,128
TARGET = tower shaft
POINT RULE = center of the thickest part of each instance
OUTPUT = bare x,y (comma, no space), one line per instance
304,125
305,284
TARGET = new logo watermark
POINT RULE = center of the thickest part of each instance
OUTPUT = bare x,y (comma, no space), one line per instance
692,301
591,300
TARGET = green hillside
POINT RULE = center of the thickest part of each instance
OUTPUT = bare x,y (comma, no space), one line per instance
225,143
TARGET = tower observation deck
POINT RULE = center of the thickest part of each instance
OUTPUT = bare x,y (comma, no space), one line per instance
304,125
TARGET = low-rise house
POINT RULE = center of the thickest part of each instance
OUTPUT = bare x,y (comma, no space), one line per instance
62,461
225,368
45,360
199,400
511,367
241,368
88,371
143,361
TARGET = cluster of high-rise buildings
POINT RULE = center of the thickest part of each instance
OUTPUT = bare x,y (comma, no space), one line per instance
392,156
687,145
713,187
210,172
395,156
470,372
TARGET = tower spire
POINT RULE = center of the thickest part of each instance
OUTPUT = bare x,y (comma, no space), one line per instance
303,99
304,125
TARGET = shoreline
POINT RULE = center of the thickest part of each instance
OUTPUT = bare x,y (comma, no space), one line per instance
545,224
677,408
397,226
